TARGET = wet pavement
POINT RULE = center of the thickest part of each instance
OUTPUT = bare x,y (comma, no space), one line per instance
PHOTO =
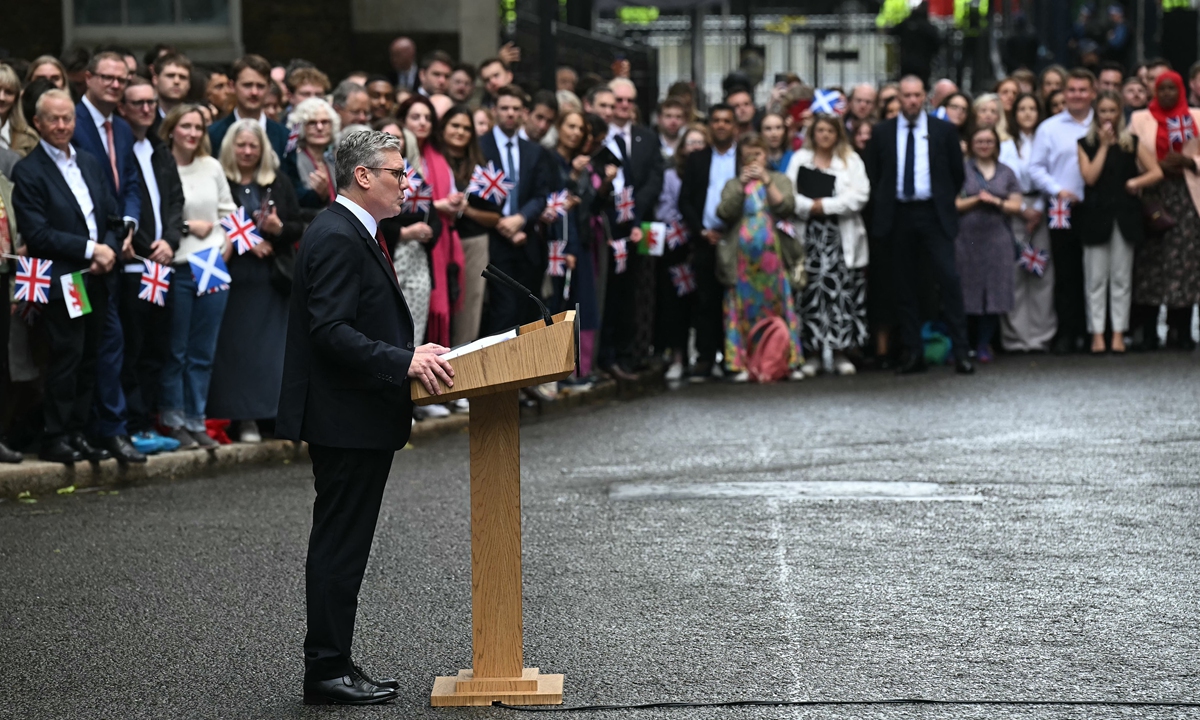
1032,532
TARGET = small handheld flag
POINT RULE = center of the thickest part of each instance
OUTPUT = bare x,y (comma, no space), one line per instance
75,295
558,258
557,203
293,140
489,183
656,238
241,231
1060,214
786,228
676,235
828,102
1032,260
620,255
209,271
156,279
422,194
625,205
683,279
32,282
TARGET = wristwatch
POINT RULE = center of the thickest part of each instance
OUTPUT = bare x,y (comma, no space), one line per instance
186,229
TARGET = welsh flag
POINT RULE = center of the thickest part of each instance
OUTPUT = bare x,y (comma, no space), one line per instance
75,295
654,239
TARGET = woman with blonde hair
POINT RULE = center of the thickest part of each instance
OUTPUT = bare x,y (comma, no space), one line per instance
48,67
15,133
831,191
310,165
195,319
988,112
248,367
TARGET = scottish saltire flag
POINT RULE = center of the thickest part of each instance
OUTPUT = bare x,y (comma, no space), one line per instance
156,279
75,295
558,258
489,183
32,282
786,228
676,235
557,203
625,205
828,102
683,279
1033,261
241,231
620,255
209,271
421,197
1060,214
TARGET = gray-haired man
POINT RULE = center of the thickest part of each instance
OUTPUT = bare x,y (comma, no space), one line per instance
345,391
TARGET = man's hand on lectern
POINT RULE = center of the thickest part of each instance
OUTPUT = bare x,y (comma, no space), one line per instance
429,368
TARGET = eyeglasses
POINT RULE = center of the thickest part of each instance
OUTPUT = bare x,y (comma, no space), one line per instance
624,100
111,79
142,103
960,108
318,123
396,172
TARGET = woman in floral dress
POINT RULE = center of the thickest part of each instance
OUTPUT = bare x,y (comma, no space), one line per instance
756,260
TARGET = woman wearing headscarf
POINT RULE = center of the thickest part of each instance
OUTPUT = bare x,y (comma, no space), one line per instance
1167,268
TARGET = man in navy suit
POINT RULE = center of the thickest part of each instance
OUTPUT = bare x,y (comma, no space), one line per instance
61,201
515,246
106,136
916,168
251,76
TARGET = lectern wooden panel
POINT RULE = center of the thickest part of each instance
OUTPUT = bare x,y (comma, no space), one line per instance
490,377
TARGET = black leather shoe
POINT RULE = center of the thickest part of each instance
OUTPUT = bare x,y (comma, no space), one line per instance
912,364
349,689
87,450
59,450
8,455
964,366
386,683
123,450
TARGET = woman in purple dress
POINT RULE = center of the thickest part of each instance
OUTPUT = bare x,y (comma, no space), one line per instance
985,247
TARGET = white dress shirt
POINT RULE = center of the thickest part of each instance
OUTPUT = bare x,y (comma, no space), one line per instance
722,169
513,175
68,164
923,182
143,150
1018,162
262,120
626,133
363,216
1054,160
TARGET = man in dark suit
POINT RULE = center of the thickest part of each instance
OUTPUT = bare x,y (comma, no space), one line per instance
515,246
99,131
345,391
916,168
704,177
251,76
62,204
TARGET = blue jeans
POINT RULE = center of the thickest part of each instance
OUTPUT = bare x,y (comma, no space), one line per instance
195,324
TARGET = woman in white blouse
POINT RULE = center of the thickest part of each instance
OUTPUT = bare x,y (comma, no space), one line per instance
1031,325
195,319
833,307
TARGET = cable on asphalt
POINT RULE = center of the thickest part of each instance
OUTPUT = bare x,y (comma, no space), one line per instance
886,701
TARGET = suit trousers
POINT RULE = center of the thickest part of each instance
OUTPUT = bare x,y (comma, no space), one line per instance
617,330
506,307
147,329
707,301
917,227
109,409
349,484
1069,295
74,345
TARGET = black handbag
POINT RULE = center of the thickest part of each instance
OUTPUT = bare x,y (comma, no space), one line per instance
1155,216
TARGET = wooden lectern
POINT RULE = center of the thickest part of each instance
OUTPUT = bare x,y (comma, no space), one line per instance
491,377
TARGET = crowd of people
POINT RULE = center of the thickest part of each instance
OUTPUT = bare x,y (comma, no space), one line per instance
832,230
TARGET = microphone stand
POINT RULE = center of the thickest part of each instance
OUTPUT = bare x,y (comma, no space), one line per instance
495,274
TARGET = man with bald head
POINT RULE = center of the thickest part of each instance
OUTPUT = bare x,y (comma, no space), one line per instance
942,89
861,103
403,54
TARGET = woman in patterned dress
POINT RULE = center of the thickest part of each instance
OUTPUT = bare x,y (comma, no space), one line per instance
755,261
834,302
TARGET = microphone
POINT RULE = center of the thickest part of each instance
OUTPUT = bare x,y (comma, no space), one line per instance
491,272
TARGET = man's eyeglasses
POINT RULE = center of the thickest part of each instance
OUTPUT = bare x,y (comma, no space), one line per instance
396,172
624,100
110,79
147,104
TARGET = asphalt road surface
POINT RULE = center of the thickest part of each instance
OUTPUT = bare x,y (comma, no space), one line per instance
1028,533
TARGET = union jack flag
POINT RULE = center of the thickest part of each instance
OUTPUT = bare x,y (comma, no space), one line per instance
828,102
683,279
489,183
1060,214
620,255
625,205
155,281
676,235
786,228
32,282
1033,261
240,229
1180,130
422,194
558,258
557,203
293,140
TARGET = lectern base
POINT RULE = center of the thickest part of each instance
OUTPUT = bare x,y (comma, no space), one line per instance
532,688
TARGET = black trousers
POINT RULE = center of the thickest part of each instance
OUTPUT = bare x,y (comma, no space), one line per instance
505,307
618,327
71,375
1069,295
349,486
706,301
147,329
916,229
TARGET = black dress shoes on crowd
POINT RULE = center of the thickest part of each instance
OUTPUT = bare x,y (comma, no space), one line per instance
87,450
8,455
963,366
123,450
350,689
911,365
60,450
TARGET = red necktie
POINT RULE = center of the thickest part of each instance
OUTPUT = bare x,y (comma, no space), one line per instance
387,256
112,154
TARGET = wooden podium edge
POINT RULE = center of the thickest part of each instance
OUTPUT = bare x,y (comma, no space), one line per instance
445,693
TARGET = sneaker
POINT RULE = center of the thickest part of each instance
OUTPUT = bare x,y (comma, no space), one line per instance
183,437
165,444
797,375
204,440
842,366
675,372
810,369
248,432
743,376
436,411
461,405
145,444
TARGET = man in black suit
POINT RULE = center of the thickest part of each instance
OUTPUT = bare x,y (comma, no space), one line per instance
916,168
250,76
62,206
516,246
704,177
346,371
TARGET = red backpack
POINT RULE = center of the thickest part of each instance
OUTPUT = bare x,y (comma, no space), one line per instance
771,354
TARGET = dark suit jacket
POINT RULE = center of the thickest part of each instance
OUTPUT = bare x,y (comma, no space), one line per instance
87,139
277,135
51,221
533,187
644,172
693,189
349,342
170,193
945,170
